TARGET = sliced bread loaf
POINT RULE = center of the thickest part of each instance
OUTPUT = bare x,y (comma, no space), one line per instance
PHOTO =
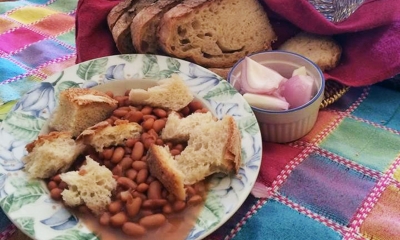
215,33
144,26
80,108
117,11
104,135
170,93
322,50
212,147
122,31
51,154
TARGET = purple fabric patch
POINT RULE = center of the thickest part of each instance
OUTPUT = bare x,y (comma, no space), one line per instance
42,52
327,187
15,40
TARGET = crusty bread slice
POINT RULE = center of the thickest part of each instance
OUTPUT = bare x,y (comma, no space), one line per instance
212,147
144,26
215,33
185,125
92,185
122,31
117,11
51,154
104,135
164,167
80,108
322,50
170,93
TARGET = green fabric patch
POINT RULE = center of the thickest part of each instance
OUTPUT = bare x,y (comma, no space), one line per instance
68,38
64,6
363,143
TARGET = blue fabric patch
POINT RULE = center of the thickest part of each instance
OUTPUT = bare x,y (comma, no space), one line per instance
327,187
382,106
277,221
9,69
347,99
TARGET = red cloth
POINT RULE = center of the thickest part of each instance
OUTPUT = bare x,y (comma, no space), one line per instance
370,37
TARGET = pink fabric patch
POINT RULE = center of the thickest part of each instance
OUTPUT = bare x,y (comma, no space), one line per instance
18,39
55,24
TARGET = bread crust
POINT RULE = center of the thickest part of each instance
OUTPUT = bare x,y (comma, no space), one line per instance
42,139
161,166
117,11
233,151
210,50
146,23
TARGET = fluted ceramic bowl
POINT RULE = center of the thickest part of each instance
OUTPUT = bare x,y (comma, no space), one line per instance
286,125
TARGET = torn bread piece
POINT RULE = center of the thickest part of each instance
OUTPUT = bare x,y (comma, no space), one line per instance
214,147
170,93
185,125
81,108
91,185
51,154
104,135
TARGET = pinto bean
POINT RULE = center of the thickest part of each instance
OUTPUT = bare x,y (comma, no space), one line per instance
115,207
126,163
55,193
154,191
139,195
185,111
110,94
143,187
175,152
195,105
117,171
146,110
137,151
108,152
153,221
142,176
126,183
130,142
120,112
195,200
135,116
154,203
133,206
118,219
160,113
148,124
167,208
178,206
131,174
133,229
51,185
118,154
145,117
139,165
158,125
105,219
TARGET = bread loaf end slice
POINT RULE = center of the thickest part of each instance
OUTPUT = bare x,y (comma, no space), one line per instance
215,33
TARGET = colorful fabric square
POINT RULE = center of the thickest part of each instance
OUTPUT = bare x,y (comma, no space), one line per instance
278,221
396,173
275,158
65,6
8,6
55,24
30,14
382,106
44,51
383,220
327,188
324,121
55,67
17,39
363,143
9,69
68,38
14,90
6,25
347,100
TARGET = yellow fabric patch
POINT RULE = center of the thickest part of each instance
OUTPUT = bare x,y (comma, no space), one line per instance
396,174
30,14
6,25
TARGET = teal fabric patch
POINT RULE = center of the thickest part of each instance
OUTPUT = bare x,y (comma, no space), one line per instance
64,6
363,143
7,6
277,221
9,69
382,106
14,90
68,38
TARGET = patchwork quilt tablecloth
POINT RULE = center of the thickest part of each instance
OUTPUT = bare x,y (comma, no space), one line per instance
341,181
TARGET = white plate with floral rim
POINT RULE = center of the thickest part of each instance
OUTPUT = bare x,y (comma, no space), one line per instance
27,202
